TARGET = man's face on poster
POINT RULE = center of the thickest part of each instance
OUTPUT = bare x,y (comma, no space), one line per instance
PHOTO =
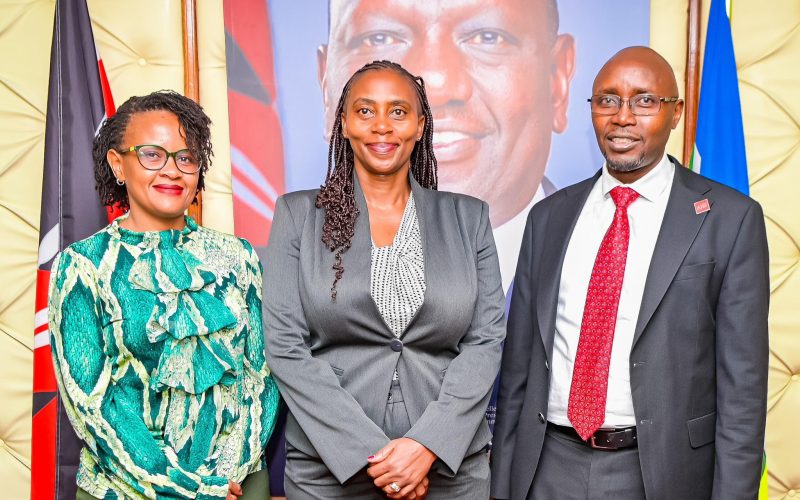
496,74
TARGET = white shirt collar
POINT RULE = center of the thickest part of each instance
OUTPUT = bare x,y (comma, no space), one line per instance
652,186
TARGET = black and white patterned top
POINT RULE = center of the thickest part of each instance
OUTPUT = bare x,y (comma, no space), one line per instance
398,273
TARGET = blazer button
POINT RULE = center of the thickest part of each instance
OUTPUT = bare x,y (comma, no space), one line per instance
396,345
541,417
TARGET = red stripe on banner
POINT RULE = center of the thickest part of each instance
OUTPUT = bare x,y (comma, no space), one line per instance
42,285
254,188
255,127
260,142
248,22
248,221
44,376
108,98
43,453
108,102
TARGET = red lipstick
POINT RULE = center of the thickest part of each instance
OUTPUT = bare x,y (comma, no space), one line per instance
169,189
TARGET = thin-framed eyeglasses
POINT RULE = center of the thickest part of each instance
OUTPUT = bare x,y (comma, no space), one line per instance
640,104
153,157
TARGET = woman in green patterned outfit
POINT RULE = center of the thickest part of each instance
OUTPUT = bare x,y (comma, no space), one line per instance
156,324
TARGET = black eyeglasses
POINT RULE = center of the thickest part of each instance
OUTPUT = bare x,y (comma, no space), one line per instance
640,105
154,157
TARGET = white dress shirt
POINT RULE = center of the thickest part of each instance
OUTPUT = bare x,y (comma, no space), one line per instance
645,215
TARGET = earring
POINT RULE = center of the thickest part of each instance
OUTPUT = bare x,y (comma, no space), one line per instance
120,183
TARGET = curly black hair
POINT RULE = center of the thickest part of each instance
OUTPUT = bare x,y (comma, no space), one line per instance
337,196
195,129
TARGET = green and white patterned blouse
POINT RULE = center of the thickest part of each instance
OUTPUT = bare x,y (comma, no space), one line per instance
159,355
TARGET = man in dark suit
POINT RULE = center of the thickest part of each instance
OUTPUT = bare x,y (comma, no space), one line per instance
635,364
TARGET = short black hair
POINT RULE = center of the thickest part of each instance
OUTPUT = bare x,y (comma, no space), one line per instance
195,129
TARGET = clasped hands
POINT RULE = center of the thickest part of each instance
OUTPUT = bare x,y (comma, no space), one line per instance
404,463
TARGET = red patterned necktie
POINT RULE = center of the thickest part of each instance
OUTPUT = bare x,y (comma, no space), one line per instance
587,396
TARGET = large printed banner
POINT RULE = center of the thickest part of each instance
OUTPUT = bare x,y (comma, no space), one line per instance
507,81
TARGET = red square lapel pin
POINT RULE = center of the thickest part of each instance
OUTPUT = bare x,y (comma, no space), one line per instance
702,206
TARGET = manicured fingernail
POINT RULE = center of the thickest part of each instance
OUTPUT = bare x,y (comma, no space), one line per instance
370,457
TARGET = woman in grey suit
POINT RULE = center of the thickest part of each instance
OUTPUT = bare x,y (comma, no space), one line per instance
384,310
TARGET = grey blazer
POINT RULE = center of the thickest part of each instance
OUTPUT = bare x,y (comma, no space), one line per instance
699,359
334,361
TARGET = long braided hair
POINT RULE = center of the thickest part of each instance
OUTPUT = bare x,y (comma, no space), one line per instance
337,195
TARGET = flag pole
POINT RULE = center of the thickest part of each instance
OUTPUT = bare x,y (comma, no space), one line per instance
692,79
191,75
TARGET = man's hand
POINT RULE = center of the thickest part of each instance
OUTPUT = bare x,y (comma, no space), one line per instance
234,490
405,463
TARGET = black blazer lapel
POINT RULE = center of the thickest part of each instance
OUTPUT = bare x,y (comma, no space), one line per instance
678,231
563,215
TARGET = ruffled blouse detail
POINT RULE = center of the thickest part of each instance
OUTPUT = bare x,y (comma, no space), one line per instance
201,347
